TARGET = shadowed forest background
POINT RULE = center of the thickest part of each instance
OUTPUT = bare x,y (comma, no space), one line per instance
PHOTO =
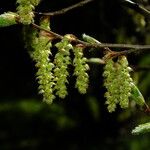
79,121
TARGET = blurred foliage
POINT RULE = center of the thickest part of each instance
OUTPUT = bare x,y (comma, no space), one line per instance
77,122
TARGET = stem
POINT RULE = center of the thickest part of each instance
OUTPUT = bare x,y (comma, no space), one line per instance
65,10
50,32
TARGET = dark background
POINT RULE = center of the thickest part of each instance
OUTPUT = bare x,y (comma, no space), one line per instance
79,121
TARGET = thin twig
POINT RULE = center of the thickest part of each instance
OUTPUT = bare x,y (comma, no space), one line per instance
137,7
122,46
50,32
64,10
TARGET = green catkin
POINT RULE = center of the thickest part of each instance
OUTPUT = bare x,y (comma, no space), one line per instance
40,55
80,71
118,83
62,60
25,10
109,82
125,81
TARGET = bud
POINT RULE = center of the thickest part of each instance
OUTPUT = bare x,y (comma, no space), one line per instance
8,19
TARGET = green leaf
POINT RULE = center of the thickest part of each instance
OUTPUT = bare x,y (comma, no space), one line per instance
142,128
136,95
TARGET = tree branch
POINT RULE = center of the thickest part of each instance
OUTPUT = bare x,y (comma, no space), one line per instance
57,36
137,7
131,48
65,10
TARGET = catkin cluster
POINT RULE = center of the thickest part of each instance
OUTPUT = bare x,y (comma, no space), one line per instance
117,82
53,75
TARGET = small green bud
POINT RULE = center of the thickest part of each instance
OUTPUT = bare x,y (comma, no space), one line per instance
90,39
8,19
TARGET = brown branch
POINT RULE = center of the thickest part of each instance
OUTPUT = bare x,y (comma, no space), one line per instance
58,36
65,10
131,48
124,46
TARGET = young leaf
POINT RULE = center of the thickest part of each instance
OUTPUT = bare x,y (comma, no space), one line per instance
90,39
136,95
142,128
